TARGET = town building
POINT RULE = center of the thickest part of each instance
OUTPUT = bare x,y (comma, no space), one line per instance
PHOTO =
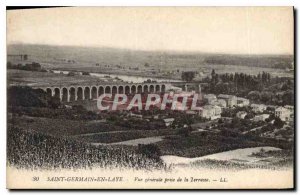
220,102
168,121
261,117
242,102
231,100
135,115
283,113
211,112
209,98
218,111
290,108
241,114
258,107
175,89
191,112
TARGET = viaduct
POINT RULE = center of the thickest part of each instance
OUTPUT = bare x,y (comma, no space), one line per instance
88,92
83,92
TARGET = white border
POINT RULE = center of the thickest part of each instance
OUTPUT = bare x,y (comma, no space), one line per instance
3,190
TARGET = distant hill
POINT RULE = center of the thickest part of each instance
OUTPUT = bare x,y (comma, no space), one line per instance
87,56
282,62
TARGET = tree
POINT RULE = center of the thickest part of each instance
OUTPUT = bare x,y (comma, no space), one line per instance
266,96
278,123
54,102
188,75
214,78
249,116
213,73
9,65
85,73
254,95
288,97
185,131
28,97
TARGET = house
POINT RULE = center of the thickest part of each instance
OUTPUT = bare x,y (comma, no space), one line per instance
209,98
290,108
211,112
283,113
68,106
231,100
241,114
156,116
258,107
191,112
135,115
168,121
218,111
175,89
220,102
241,102
261,117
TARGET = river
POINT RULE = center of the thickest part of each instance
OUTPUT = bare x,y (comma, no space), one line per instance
125,78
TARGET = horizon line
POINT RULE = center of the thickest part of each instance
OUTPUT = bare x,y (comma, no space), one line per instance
151,50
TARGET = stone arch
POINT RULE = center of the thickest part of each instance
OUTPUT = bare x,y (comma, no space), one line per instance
163,88
87,93
79,93
107,90
94,92
157,88
57,92
151,88
120,89
133,89
100,90
140,89
146,89
49,92
114,90
65,94
72,94
127,89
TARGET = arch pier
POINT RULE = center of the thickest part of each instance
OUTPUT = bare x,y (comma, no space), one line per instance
83,92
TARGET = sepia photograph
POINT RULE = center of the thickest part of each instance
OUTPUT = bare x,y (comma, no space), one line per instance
150,98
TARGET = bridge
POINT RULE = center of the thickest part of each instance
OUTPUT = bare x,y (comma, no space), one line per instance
70,93
88,92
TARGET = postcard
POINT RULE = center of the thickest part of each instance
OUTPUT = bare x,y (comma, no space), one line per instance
150,98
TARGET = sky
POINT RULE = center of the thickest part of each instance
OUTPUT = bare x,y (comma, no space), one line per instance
233,30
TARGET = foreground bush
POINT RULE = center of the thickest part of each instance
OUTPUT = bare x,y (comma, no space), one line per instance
33,150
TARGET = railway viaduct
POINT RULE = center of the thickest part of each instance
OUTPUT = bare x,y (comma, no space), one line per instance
83,92
69,93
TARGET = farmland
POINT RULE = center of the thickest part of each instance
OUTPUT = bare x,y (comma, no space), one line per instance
159,64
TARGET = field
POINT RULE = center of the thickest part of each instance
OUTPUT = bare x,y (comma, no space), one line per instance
86,131
205,143
159,64
63,127
100,132
34,78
